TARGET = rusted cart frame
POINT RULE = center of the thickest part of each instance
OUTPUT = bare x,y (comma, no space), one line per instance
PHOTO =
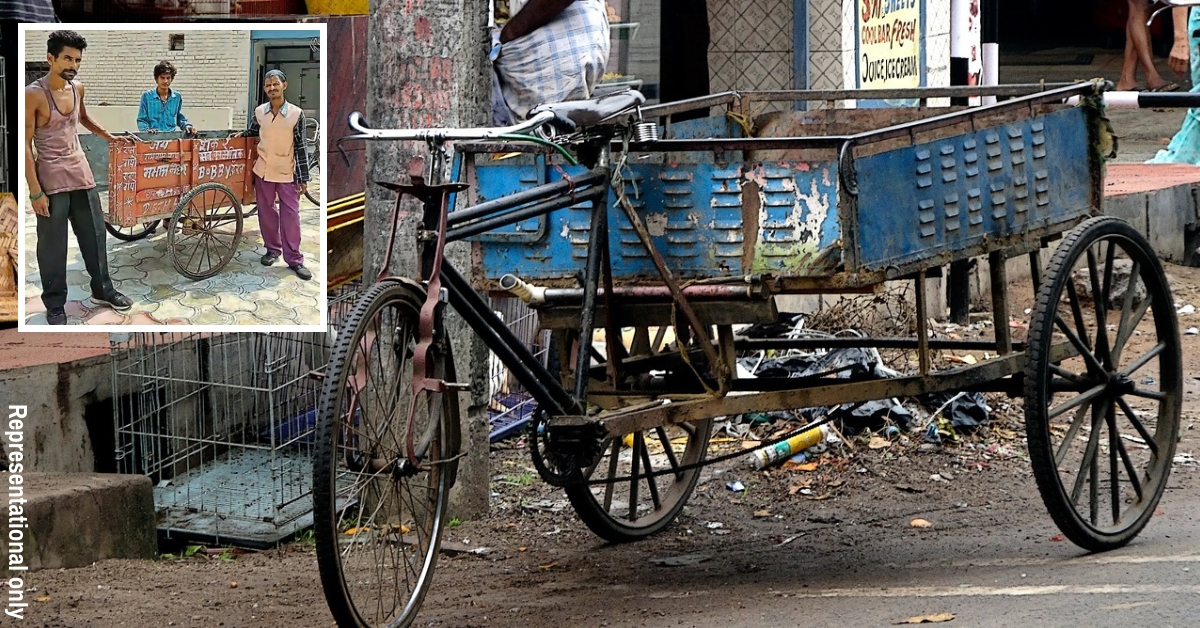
197,185
698,232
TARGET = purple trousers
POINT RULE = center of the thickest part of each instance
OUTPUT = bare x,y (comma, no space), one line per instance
280,227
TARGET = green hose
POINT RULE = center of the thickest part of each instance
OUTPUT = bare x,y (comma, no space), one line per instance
537,140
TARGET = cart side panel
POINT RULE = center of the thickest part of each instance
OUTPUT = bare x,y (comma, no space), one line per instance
965,195
121,182
706,217
225,161
791,211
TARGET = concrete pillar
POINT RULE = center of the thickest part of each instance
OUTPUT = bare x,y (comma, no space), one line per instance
427,66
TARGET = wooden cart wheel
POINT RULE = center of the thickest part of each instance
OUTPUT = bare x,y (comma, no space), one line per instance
377,518
129,234
635,495
1102,424
205,230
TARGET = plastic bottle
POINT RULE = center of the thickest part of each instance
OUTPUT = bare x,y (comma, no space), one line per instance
767,456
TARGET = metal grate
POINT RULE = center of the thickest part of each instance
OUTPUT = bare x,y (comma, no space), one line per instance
224,426
509,404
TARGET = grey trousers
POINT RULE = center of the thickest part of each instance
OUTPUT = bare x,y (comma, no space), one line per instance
81,208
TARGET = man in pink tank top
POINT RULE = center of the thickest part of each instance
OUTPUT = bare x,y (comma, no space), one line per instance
281,171
61,187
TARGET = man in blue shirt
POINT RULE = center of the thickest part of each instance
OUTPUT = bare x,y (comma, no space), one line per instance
161,108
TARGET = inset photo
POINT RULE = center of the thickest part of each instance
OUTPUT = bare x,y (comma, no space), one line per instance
172,176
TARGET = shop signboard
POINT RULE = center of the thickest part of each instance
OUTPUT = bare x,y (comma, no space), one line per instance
890,41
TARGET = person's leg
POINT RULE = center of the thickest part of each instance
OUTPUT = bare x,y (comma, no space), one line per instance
52,251
1140,34
289,223
268,217
1128,79
88,223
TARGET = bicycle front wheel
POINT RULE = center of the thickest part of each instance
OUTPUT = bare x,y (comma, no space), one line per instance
377,516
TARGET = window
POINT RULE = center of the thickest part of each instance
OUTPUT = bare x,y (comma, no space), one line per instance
175,41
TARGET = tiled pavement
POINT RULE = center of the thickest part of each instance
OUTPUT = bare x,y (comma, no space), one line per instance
243,293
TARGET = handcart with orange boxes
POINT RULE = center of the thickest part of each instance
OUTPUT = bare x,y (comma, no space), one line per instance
195,186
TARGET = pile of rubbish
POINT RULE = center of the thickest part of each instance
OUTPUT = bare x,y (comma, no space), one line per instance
932,415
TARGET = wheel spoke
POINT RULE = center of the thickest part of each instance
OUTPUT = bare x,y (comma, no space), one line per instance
1146,357
612,474
1100,302
650,482
670,451
1138,425
1077,314
1124,329
1119,448
1085,397
1080,346
1148,394
633,477
1085,465
1072,432
1074,378
1114,445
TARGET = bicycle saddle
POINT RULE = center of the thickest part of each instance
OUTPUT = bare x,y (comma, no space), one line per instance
571,114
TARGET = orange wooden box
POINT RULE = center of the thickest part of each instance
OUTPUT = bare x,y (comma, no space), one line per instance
147,179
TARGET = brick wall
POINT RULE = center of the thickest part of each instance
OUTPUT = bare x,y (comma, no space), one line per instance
214,66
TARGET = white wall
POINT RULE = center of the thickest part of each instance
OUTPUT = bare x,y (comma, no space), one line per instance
214,66
124,118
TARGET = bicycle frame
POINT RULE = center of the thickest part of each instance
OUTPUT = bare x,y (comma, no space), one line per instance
441,226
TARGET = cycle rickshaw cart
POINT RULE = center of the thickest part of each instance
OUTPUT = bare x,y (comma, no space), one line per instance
195,186
698,231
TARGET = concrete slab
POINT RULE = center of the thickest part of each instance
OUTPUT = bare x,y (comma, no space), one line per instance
76,519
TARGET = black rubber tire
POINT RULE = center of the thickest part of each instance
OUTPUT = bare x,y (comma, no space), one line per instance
1099,391
175,236
315,171
676,488
620,529
147,229
331,459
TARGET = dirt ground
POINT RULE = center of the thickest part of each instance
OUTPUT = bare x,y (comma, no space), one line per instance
530,562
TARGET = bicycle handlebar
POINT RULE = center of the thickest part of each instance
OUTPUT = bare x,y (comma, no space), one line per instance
365,132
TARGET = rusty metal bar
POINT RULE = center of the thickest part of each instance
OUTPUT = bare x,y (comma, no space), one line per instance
683,409
594,177
752,344
570,296
998,267
922,324
702,336
1020,89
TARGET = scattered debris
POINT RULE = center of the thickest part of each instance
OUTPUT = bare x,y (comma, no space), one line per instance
920,523
1185,310
936,618
685,560
1191,331
735,486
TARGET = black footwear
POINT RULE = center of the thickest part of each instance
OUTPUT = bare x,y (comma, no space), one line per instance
115,300
56,316
302,272
269,258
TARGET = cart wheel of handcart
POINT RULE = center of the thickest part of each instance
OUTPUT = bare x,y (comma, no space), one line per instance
204,231
630,491
129,234
1103,384
379,506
